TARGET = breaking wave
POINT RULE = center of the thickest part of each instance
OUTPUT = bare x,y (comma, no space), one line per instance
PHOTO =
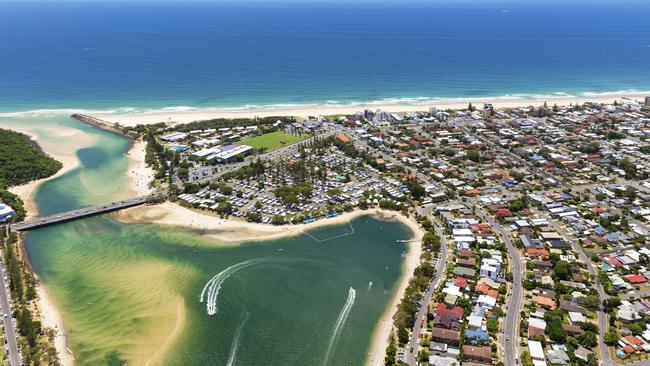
385,102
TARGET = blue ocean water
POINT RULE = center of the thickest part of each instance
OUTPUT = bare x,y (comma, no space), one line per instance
144,55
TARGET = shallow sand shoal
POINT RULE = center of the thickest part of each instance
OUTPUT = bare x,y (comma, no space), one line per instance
185,116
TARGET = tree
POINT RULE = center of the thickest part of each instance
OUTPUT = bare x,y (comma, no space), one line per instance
224,208
277,220
587,339
473,155
416,190
492,325
402,335
526,360
555,332
611,336
561,270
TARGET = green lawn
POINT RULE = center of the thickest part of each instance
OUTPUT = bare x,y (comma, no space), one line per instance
272,141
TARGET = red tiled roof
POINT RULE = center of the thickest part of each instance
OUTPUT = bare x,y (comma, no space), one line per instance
613,262
633,340
637,278
460,282
455,312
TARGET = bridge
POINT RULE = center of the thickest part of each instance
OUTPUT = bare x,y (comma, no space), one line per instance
80,213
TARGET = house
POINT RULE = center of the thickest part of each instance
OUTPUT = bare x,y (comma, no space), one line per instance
464,272
633,279
582,353
536,350
572,330
436,360
567,306
490,267
477,354
174,137
447,336
468,263
576,317
544,302
477,336
558,357
538,253
455,312
446,321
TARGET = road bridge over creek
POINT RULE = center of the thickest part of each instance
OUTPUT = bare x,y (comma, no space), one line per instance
80,213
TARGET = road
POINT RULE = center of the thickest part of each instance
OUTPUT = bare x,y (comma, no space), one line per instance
10,330
509,344
441,265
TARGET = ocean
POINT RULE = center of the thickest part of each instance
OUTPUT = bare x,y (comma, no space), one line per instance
127,57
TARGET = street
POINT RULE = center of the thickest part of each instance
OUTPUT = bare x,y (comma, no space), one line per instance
9,328
509,344
441,265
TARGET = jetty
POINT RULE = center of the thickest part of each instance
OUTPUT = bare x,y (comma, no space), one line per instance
100,123
80,213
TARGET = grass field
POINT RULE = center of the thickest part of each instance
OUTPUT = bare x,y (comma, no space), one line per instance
272,141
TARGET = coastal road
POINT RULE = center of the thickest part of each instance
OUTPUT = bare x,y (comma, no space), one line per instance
10,330
441,265
509,344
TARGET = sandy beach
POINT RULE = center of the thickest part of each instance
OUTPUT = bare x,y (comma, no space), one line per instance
138,173
184,115
52,319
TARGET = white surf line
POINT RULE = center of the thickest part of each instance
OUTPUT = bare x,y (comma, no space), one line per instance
213,286
351,232
232,358
340,322
369,286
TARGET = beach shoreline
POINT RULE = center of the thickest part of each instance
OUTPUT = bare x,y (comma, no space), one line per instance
139,175
51,318
188,114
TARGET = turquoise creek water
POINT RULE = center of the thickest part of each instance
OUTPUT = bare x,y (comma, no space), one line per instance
125,289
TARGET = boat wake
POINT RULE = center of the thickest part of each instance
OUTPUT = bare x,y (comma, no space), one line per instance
211,289
232,357
340,322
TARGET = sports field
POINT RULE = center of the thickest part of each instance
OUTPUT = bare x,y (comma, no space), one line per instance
272,141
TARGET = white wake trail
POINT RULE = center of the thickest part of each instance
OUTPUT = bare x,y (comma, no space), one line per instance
235,342
340,322
211,289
